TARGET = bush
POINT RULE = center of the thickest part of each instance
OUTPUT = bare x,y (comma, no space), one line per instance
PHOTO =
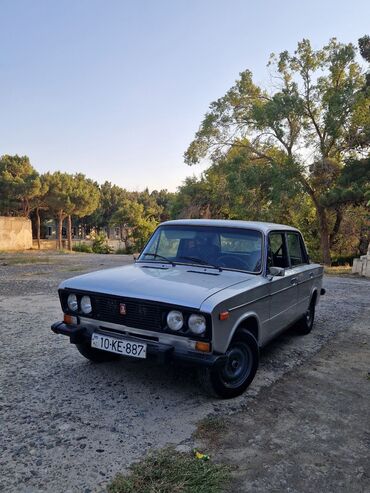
338,261
130,249
121,251
100,244
82,247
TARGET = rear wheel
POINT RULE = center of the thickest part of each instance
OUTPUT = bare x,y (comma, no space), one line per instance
305,324
232,378
95,354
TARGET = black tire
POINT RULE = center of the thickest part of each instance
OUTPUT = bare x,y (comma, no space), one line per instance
232,378
95,355
305,324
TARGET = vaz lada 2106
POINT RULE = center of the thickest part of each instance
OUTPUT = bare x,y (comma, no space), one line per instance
210,293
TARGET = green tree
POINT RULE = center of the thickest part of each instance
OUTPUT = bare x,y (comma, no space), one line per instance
312,115
58,198
152,209
38,203
111,198
135,225
70,195
352,185
84,200
364,45
164,199
193,199
19,183
364,134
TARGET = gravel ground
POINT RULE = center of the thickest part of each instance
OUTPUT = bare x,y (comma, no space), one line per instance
68,425
313,434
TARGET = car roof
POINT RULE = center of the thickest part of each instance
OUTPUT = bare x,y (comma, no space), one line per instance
230,223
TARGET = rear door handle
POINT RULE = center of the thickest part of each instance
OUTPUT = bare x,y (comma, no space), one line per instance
311,275
293,280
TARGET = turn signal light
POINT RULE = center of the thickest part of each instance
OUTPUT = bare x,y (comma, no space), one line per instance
205,347
224,315
70,319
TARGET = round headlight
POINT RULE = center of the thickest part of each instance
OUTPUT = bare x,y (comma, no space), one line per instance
72,302
197,324
86,304
175,320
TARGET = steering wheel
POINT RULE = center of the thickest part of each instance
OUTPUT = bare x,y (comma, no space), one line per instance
233,262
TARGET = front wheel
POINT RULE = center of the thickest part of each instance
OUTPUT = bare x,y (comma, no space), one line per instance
95,355
232,378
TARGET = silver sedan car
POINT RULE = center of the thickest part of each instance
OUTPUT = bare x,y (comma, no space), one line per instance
209,293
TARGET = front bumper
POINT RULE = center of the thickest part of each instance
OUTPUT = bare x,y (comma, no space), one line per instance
164,353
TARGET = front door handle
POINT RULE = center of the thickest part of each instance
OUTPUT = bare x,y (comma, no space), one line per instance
293,280
311,275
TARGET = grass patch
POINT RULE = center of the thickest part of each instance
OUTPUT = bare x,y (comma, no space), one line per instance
24,260
338,270
78,268
210,429
169,471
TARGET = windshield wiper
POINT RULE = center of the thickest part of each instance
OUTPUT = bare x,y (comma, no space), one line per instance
156,255
202,262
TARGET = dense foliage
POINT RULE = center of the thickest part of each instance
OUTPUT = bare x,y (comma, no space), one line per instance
294,140
296,153
73,198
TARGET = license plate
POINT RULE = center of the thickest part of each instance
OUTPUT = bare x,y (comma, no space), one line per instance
118,346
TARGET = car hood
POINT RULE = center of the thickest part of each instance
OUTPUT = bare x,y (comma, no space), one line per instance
180,285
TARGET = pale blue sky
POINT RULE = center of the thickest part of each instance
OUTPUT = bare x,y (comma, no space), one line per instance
116,89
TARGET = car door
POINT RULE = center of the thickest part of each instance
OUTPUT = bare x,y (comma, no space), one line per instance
283,289
299,262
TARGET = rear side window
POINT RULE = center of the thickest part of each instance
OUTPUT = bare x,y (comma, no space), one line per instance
295,249
277,252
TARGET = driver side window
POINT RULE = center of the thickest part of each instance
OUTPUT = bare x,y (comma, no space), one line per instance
277,251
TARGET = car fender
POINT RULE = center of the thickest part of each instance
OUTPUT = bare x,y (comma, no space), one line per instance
314,292
241,320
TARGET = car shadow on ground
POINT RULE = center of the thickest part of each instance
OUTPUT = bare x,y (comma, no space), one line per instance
139,377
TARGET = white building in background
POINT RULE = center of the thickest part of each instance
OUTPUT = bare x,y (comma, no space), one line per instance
361,265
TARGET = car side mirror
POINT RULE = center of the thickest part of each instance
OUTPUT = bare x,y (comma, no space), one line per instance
277,271
136,255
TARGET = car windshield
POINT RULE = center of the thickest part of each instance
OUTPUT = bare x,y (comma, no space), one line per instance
213,246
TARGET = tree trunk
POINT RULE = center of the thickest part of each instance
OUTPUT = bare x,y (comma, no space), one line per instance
38,227
335,231
324,235
323,225
60,227
69,232
363,240
123,236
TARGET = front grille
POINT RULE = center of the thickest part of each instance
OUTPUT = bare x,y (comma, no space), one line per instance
142,315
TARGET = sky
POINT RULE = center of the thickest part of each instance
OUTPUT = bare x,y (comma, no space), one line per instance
117,89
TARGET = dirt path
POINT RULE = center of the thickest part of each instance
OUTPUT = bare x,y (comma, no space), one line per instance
309,432
67,425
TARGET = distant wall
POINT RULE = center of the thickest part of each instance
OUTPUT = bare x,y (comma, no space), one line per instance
15,233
